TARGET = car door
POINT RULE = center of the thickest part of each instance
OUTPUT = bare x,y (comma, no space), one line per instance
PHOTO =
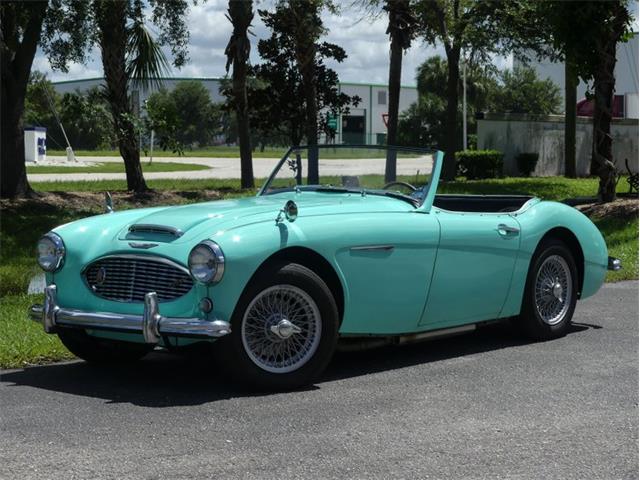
387,263
473,269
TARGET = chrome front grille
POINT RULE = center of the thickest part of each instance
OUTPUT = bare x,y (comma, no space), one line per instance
127,278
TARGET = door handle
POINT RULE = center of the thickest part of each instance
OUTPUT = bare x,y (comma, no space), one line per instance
507,230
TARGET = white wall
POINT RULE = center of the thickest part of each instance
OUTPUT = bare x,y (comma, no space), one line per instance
515,133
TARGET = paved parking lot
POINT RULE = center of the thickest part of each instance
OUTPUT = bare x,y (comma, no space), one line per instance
482,405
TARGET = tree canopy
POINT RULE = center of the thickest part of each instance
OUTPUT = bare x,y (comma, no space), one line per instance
276,91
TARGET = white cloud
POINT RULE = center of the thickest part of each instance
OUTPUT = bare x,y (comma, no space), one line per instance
363,38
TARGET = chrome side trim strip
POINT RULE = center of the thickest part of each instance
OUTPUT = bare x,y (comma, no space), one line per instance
372,248
152,325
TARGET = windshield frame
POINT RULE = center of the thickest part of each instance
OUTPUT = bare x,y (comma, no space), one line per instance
437,158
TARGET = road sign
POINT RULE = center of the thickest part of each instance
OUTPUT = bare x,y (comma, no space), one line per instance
332,122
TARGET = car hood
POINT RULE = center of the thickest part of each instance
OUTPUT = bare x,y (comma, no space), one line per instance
182,223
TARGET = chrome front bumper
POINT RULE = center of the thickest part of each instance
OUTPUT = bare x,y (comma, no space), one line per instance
151,324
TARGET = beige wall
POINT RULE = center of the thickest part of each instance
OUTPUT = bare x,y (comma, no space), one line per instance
544,134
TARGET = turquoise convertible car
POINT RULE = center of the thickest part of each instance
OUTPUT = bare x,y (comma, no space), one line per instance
326,252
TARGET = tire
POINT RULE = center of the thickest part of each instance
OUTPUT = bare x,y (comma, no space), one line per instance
547,308
263,351
101,351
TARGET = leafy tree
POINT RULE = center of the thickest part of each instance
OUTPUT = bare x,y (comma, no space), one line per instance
87,120
58,28
240,14
184,116
424,123
556,29
475,28
521,91
300,27
277,90
613,28
37,106
131,57
591,57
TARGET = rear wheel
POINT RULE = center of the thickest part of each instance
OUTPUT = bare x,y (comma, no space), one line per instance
284,330
101,351
550,293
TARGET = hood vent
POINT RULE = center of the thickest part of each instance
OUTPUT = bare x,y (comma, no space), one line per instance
156,229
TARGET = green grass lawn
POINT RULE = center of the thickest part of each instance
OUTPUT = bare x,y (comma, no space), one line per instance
117,167
23,342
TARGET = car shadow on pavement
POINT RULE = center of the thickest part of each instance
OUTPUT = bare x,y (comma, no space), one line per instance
167,380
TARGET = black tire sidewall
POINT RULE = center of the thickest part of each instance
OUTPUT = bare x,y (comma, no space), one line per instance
532,323
231,348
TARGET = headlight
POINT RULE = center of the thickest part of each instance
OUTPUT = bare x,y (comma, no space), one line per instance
206,262
50,252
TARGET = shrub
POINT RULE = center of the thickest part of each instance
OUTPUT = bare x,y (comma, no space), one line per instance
475,164
527,163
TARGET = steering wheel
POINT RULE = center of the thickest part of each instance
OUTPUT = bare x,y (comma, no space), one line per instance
402,184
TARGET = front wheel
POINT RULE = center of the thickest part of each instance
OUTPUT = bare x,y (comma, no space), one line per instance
551,292
284,330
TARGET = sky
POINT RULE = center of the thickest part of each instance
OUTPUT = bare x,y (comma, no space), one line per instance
363,38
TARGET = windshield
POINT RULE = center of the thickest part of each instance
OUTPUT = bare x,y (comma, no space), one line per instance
346,168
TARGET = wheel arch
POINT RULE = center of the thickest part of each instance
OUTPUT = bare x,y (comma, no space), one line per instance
571,241
315,262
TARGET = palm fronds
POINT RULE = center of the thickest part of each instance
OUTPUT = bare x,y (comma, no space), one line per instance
146,63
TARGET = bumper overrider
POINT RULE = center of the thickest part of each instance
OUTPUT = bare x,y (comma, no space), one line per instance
151,324
614,264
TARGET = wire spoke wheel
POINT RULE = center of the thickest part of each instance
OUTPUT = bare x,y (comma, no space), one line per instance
281,329
553,289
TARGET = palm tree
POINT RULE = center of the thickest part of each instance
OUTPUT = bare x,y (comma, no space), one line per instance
400,30
240,14
130,56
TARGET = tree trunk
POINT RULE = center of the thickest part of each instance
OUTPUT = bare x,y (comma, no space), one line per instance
16,58
307,29
570,88
311,130
111,17
451,120
604,88
241,14
395,76
242,113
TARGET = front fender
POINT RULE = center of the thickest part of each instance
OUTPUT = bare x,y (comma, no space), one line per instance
535,223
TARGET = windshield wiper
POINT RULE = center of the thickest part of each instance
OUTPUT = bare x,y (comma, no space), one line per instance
327,188
398,196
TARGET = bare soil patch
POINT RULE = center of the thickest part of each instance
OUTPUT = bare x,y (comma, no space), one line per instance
79,201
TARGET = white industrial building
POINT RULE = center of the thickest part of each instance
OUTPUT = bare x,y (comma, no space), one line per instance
363,125
626,74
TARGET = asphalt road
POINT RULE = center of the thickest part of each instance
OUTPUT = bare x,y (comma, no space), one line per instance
483,405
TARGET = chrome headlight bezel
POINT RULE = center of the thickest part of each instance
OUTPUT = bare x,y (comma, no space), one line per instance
57,251
212,272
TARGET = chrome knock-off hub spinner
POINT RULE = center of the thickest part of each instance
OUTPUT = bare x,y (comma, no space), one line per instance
284,329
